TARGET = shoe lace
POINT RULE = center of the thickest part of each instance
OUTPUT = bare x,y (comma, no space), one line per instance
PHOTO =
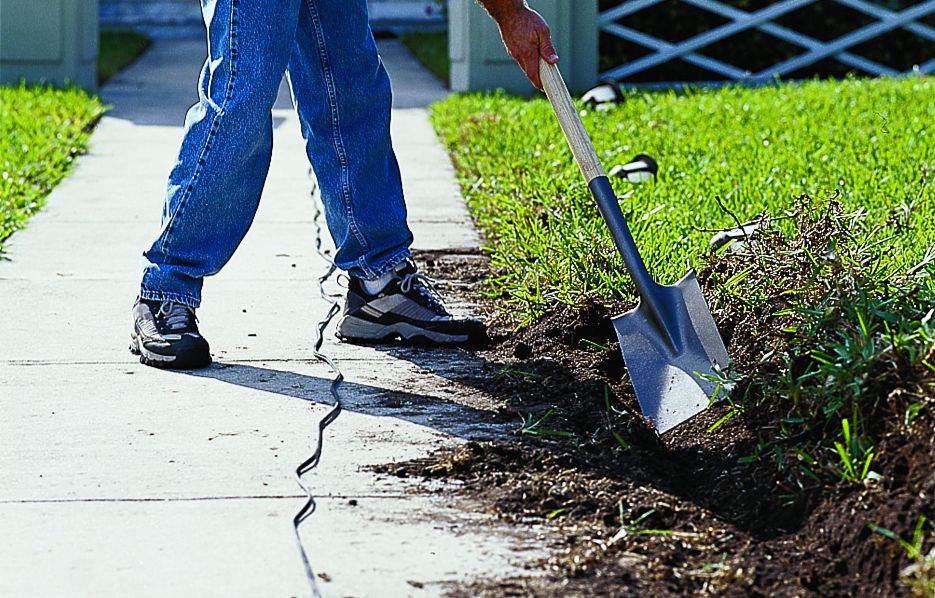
176,316
425,287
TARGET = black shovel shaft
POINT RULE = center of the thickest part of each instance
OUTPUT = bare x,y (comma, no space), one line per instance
609,207
670,337
600,187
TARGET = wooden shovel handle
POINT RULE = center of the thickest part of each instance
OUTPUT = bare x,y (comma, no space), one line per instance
570,122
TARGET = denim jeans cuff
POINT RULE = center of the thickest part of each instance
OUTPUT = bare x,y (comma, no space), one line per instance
373,273
192,302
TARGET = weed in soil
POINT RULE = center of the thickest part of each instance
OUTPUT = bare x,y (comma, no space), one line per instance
810,480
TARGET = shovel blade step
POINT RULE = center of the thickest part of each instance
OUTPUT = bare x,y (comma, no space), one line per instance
668,364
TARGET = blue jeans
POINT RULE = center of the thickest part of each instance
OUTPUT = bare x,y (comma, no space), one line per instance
343,98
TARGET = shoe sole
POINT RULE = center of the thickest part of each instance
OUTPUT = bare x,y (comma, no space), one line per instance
164,362
354,329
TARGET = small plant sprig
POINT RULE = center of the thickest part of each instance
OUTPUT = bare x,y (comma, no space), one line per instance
920,574
533,426
855,457
634,526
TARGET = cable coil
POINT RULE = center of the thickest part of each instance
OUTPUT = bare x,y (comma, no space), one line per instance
312,462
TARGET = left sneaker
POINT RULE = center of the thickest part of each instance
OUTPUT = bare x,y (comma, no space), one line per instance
165,335
408,308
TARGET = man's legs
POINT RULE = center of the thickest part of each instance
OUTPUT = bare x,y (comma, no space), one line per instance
342,94
214,188
215,185
343,97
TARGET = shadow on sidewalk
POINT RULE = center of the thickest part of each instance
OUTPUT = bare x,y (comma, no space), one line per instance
440,414
710,477
691,466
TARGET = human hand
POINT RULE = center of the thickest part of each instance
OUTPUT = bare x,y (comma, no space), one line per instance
525,34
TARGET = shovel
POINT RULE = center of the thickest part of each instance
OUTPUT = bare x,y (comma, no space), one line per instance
670,343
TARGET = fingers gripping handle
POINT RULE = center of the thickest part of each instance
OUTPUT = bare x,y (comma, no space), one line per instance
569,120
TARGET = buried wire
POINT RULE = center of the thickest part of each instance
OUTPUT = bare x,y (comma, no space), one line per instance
309,464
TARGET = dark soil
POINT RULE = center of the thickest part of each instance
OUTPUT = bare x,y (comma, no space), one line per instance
634,515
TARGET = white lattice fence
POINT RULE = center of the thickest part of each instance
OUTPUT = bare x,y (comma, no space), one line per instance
813,50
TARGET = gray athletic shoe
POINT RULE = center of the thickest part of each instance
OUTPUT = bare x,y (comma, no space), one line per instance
165,335
408,309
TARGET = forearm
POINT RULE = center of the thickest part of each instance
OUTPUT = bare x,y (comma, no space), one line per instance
502,10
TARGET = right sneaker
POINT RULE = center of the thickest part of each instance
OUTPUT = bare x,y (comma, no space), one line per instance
165,335
408,308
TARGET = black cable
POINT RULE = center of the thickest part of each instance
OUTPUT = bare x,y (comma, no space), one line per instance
309,464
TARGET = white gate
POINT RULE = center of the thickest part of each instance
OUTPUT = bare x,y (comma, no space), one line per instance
739,20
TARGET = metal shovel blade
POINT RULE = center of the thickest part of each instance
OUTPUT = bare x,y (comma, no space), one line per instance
670,342
669,360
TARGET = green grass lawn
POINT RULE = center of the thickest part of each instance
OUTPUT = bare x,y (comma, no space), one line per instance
757,149
43,129
119,48
431,49
41,132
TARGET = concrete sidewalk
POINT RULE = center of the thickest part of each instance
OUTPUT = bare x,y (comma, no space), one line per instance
116,479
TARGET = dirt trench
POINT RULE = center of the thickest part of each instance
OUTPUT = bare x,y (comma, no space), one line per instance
633,515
